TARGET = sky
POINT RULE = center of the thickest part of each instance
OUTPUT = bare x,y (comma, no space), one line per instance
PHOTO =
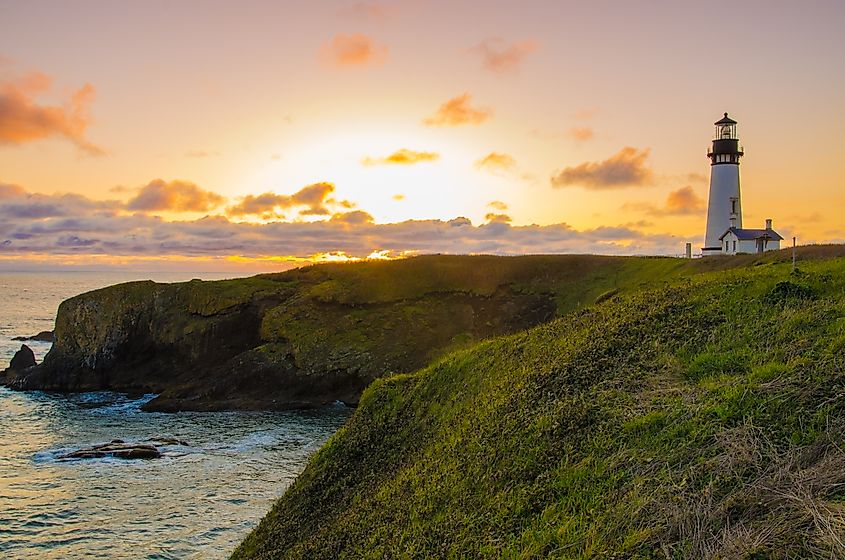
257,136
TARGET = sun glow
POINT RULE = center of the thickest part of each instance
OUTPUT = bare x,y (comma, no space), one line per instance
442,187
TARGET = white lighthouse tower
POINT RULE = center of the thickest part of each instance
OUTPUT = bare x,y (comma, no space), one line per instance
724,207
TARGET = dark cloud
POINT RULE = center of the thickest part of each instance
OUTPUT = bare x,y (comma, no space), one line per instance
33,210
499,56
174,196
402,157
459,111
23,119
75,241
625,169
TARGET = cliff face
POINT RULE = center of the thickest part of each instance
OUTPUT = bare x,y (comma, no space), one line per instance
144,336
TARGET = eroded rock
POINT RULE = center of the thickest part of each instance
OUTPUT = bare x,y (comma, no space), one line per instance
117,450
23,358
43,336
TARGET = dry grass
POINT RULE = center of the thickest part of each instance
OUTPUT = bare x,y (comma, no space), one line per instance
785,501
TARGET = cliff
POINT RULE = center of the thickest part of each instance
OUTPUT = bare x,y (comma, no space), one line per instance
309,336
323,333
703,418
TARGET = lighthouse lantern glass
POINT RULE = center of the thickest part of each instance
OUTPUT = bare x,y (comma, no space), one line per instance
726,131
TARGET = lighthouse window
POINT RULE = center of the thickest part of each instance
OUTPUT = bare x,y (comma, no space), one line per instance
733,206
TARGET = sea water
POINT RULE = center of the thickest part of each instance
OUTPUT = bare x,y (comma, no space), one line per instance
198,501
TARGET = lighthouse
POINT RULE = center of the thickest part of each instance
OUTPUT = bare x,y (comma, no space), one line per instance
724,206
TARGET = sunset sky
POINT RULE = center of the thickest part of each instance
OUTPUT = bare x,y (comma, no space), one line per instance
256,135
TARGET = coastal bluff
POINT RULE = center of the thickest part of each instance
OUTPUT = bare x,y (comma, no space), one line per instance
699,418
319,334
300,338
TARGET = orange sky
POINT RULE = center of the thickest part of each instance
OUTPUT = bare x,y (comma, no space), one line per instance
253,135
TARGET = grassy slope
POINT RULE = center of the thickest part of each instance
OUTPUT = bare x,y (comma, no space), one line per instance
701,419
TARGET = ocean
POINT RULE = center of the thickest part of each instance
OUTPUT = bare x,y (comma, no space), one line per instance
198,501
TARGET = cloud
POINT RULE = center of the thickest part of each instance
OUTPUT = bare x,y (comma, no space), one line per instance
498,218
174,196
353,218
313,200
457,111
581,133
23,119
75,241
353,50
402,157
498,56
498,205
369,11
627,168
681,202
77,225
200,154
398,197
496,162
9,191
684,201
586,114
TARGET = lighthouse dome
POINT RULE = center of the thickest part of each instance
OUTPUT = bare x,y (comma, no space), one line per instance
725,120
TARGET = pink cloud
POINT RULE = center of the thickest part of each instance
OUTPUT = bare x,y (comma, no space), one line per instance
459,111
174,196
353,50
501,57
23,119
625,169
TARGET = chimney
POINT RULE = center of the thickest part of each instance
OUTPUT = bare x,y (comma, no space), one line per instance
769,223
689,250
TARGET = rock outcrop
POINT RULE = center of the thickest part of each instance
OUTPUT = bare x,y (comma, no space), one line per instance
23,359
119,449
43,336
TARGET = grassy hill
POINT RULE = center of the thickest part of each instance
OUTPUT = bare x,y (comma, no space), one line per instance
323,333
700,418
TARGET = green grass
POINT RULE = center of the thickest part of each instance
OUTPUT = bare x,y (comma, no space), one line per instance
698,416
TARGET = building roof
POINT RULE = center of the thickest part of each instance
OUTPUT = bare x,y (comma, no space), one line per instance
750,234
725,120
